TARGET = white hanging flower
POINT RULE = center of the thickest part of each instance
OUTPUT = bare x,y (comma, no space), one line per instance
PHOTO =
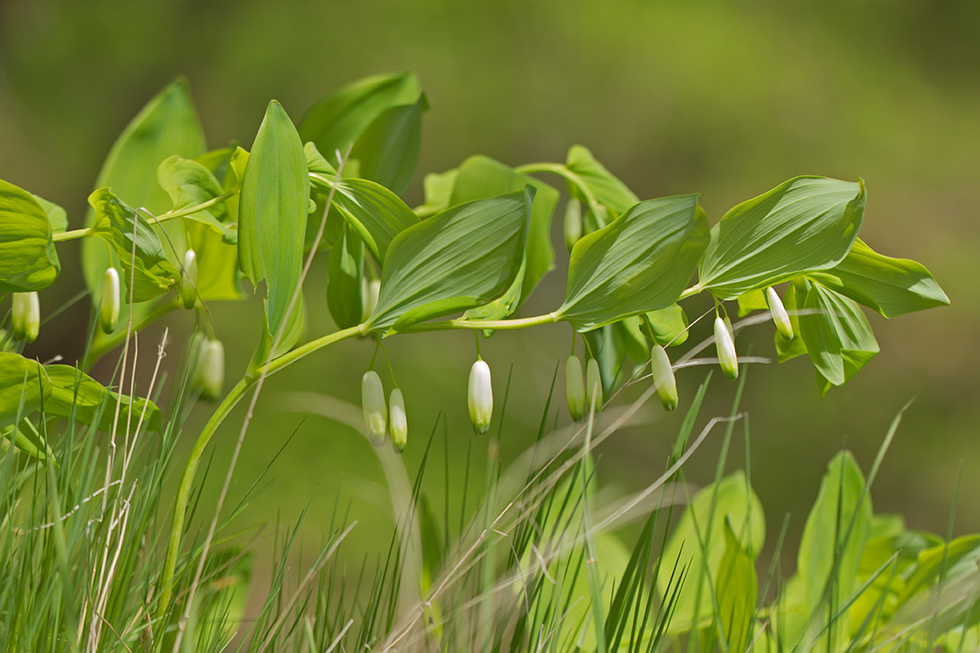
109,310
398,420
373,403
726,349
188,280
480,397
593,385
779,314
575,389
209,375
663,377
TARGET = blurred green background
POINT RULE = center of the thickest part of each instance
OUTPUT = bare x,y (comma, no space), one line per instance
726,99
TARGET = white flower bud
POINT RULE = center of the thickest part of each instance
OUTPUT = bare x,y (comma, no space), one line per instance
573,222
369,297
398,420
663,377
779,314
209,374
373,403
593,385
109,309
25,319
188,280
480,398
575,389
726,349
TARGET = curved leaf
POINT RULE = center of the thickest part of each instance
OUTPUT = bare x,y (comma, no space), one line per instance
188,182
607,189
19,382
891,286
461,258
640,262
388,150
377,214
28,260
803,225
345,279
76,395
272,212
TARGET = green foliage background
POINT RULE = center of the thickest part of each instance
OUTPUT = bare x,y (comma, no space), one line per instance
725,99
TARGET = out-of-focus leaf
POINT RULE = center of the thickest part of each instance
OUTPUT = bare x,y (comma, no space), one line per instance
607,189
167,125
836,333
57,216
345,279
666,326
388,150
115,220
803,225
698,548
316,163
480,177
28,260
461,258
19,381
377,214
75,395
641,262
339,119
737,591
189,183
438,187
272,212
753,300
891,286
942,562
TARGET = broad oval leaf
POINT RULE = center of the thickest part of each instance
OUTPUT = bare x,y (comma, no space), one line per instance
338,120
28,260
640,262
836,334
377,214
122,227
891,286
272,212
388,150
607,189
480,177
167,125
461,258
803,225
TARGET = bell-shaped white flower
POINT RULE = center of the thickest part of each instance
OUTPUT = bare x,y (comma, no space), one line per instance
726,349
593,385
398,420
575,389
109,309
663,377
25,318
209,374
373,403
779,314
188,280
480,397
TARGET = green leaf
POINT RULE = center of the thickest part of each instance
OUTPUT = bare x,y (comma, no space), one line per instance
345,279
942,563
666,326
19,382
167,125
189,183
696,545
75,395
316,163
641,262
27,439
480,177
834,537
57,216
461,258
803,225
338,120
154,274
792,302
607,189
891,286
438,187
388,150
753,300
836,334
737,591
28,260
377,214
272,212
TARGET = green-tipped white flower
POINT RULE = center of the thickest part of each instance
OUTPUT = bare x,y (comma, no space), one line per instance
575,389
726,349
109,310
593,385
25,319
209,375
779,314
398,420
373,403
480,397
663,377
188,280
369,297
573,222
